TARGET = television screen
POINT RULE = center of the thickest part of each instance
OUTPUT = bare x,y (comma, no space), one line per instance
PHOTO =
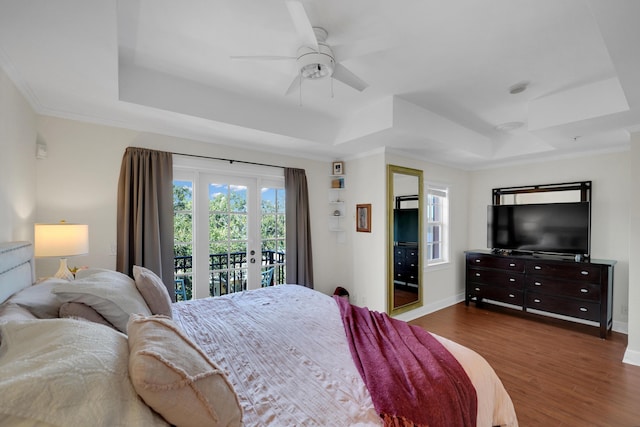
405,225
562,228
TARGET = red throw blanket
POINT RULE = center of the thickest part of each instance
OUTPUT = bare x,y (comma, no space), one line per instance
413,380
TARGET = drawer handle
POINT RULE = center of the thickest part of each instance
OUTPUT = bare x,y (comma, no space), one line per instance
413,253
512,296
537,283
584,291
413,265
477,260
537,267
478,289
512,265
583,309
477,274
511,279
584,273
536,300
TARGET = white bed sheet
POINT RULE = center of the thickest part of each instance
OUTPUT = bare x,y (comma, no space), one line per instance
285,351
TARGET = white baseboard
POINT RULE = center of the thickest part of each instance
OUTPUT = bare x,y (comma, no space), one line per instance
622,327
632,357
430,308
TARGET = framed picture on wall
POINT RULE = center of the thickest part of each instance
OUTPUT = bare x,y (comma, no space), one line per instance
338,168
363,218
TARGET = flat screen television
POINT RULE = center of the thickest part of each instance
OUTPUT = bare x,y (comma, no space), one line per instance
558,228
406,226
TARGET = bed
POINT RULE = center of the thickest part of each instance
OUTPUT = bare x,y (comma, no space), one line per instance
274,356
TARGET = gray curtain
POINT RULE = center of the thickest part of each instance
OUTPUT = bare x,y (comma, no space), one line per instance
145,214
299,260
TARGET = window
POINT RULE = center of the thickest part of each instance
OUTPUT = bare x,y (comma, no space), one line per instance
437,224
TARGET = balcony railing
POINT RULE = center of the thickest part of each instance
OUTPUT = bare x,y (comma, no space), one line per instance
227,272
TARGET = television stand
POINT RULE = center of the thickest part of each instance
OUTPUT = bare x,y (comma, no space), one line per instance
579,290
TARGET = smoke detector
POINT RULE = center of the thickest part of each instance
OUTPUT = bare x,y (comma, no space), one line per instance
518,88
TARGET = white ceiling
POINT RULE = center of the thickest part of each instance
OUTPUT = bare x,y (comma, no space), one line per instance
439,73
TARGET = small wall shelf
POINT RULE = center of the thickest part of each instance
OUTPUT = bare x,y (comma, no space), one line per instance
337,210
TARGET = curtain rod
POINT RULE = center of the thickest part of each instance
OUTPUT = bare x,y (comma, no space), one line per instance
231,161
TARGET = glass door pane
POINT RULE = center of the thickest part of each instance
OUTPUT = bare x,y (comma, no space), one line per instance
228,238
272,235
183,238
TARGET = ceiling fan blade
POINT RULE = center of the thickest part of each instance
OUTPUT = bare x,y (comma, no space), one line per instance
302,23
262,57
342,74
294,85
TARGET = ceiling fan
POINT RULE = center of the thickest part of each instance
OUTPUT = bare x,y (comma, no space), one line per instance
315,59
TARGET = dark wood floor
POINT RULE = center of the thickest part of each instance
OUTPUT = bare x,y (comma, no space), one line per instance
558,373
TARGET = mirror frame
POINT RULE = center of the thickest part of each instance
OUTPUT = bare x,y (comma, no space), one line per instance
391,171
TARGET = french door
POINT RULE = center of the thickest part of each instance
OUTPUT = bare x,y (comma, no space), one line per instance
236,240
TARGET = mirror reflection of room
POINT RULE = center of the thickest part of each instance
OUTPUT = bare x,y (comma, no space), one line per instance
406,234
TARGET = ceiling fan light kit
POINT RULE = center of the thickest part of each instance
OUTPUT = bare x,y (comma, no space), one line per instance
316,64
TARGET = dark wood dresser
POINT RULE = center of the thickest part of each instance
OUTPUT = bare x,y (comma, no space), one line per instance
405,259
582,290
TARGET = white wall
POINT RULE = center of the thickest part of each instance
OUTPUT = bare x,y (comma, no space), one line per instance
78,183
365,260
610,174
17,164
632,355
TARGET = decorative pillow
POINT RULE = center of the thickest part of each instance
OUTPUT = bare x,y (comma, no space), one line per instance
82,311
110,293
39,300
176,378
153,291
64,372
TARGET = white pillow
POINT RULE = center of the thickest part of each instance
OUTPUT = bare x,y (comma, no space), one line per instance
110,293
64,372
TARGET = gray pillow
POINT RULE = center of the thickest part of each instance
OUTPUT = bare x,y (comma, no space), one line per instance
153,291
110,293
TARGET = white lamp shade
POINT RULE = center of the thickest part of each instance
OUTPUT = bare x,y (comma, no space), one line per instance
61,240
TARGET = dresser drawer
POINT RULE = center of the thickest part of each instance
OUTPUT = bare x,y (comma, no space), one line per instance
495,277
411,255
566,270
495,261
553,286
566,306
496,293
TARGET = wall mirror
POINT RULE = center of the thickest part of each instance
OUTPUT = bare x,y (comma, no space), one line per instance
404,222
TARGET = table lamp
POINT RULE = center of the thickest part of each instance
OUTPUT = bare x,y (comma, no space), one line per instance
61,240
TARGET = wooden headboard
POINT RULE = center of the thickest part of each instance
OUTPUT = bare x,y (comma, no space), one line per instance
17,268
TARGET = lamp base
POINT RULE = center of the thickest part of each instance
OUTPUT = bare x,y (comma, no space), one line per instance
63,272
